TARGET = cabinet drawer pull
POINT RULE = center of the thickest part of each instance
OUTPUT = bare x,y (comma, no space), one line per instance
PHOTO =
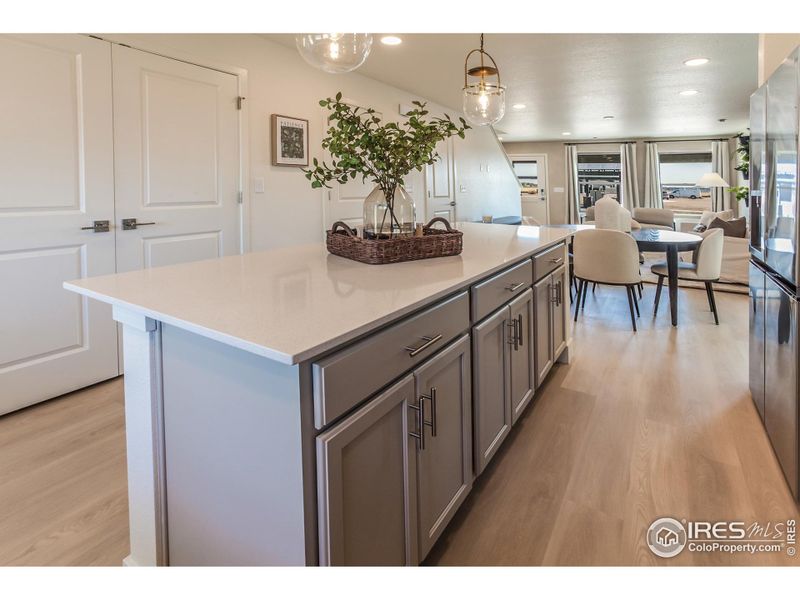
432,422
514,286
557,261
429,341
420,432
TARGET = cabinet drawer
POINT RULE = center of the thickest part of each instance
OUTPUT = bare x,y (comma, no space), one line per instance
492,293
547,262
346,378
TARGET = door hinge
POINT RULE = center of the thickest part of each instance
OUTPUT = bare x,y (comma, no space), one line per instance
239,100
240,197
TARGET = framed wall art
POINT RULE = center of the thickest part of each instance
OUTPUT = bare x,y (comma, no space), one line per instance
289,140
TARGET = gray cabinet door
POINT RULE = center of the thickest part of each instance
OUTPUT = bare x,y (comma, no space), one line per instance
560,313
543,327
444,465
491,396
366,481
522,355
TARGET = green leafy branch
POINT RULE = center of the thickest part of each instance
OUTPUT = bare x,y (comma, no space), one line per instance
360,144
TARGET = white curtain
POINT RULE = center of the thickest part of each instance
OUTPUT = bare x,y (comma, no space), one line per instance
721,164
629,178
573,192
652,177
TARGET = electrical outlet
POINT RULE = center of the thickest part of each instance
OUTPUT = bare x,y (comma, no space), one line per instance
258,185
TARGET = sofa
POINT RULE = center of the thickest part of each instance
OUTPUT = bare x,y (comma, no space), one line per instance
735,250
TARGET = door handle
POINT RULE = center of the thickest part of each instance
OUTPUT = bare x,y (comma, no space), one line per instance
98,227
512,336
429,341
518,321
128,224
453,203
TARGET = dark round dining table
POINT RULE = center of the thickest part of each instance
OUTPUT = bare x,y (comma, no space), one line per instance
670,242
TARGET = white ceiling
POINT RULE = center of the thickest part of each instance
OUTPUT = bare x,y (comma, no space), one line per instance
569,82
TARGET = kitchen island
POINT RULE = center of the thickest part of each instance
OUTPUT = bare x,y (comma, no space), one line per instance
291,407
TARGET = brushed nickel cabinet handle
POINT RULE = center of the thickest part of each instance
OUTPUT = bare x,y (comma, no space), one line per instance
514,286
420,432
557,261
429,341
432,398
518,321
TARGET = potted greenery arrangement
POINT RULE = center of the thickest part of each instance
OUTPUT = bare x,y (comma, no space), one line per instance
360,144
742,192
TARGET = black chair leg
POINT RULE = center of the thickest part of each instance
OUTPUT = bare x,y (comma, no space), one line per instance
594,287
581,291
658,294
631,297
583,296
712,300
641,289
635,301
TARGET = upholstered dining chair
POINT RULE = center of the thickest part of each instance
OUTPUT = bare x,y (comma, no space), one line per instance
706,267
608,257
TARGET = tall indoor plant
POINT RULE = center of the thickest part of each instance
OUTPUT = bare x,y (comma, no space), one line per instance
361,144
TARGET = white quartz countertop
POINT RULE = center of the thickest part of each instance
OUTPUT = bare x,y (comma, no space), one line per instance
294,303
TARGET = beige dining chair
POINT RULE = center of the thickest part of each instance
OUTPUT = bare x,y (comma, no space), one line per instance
706,268
608,257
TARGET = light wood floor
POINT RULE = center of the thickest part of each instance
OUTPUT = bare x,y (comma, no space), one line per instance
659,423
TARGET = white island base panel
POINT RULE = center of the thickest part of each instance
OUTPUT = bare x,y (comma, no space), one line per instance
221,429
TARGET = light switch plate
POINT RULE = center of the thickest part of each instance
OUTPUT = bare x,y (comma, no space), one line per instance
558,190
258,185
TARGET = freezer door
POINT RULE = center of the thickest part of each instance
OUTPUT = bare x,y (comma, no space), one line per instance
757,283
757,172
780,226
780,384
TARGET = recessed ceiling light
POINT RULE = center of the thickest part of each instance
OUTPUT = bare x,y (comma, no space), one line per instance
391,40
500,137
518,106
695,62
566,133
609,117
689,92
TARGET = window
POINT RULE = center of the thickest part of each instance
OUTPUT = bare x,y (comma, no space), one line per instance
527,172
679,174
598,175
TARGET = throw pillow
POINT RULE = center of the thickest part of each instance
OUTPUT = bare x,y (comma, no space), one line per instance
699,228
734,228
710,215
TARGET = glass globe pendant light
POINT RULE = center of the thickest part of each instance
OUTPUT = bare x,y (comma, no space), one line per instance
334,52
484,99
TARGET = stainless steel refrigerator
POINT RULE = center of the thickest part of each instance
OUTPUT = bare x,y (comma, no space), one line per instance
774,265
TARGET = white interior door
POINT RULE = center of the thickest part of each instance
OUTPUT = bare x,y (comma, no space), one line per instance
531,170
56,178
176,145
439,189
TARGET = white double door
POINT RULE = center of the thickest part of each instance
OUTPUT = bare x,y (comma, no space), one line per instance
91,131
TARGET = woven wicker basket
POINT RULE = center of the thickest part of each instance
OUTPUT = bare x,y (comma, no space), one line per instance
343,241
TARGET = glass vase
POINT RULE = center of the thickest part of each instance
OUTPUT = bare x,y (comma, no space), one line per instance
384,219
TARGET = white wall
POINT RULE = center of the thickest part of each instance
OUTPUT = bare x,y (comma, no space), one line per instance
772,49
279,81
